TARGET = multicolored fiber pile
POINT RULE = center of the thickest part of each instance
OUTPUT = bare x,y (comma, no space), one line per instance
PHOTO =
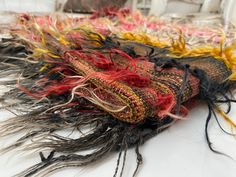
123,76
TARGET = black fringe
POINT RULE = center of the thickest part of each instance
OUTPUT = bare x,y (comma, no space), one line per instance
107,134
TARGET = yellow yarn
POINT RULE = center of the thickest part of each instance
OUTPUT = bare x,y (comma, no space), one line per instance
227,118
178,49
143,38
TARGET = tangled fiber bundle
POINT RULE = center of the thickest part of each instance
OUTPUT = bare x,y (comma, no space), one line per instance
124,88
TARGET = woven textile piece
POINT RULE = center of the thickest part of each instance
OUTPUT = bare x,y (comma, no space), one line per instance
126,86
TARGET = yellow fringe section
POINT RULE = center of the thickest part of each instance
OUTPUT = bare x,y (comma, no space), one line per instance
143,38
227,118
179,49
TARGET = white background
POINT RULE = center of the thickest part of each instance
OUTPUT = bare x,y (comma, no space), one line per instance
28,5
